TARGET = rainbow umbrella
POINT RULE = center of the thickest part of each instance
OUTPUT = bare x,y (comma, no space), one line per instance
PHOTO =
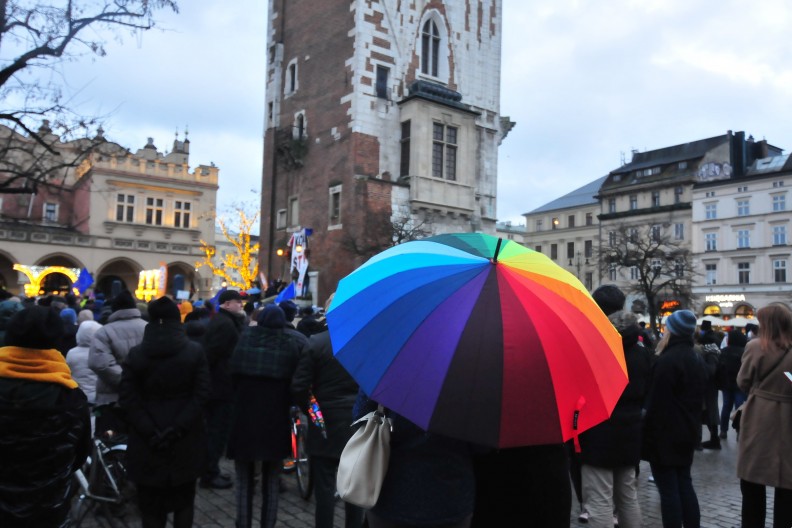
478,339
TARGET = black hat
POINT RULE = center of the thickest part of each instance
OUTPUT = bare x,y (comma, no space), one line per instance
229,295
123,301
289,308
35,327
271,317
609,298
163,309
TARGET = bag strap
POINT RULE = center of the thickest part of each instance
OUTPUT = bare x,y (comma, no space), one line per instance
775,366
378,415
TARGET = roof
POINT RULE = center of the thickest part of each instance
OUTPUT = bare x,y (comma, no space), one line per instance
674,154
767,165
585,195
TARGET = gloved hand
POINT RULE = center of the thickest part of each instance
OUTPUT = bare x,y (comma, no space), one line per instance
163,440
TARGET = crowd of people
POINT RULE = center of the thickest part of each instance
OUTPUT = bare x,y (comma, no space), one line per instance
191,383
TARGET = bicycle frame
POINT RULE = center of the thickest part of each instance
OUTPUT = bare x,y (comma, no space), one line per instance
99,473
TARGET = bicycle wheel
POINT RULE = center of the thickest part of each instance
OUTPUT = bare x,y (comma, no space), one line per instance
114,461
303,465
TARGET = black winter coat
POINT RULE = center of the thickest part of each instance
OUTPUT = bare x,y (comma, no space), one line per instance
45,436
165,383
220,339
616,442
263,365
335,391
730,363
673,406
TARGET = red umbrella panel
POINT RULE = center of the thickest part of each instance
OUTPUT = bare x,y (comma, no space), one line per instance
480,340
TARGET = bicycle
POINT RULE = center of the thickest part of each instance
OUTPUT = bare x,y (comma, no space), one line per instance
102,481
299,463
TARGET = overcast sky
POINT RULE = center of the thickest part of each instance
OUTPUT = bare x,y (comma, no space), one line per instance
585,81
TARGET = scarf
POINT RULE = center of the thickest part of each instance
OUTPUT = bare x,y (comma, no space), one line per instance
44,366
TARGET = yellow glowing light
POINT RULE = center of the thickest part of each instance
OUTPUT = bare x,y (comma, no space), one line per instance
148,284
36,274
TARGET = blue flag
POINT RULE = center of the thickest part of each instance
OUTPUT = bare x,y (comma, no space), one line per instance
84,280
286,294
216,298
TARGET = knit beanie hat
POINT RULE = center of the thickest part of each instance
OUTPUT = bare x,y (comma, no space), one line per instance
85,315
163,309
681,323
35,327
123,301
68,315
609,298
271,317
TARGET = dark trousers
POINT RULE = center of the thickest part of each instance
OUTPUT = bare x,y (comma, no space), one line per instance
731,400
156,503
534,477
245,486
218,423
753,506
679,504
324,474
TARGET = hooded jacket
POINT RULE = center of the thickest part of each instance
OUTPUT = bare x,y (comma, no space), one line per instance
109,348
77,359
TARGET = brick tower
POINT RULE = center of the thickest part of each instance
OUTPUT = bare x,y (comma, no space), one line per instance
383,124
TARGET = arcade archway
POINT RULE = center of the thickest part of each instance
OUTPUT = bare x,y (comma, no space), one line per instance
115,276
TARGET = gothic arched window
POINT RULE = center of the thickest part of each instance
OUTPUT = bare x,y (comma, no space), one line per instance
430,48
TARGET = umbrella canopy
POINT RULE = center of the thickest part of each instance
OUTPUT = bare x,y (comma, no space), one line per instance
479,339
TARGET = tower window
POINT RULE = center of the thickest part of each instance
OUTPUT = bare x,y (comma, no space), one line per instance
382,82
404,164
430,48
444,151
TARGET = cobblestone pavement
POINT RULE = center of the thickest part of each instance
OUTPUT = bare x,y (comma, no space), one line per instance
714,479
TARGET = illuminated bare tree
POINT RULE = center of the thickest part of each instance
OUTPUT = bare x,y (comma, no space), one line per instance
34,38
656,264
236,228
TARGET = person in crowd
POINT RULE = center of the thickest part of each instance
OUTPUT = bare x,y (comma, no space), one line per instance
109,348
84,315
310,324
751,331
220,338
77,359
262,367
729,366
8,308
709,349
45,423
69,339
319,373
611,451
290,310
672,423
430,480
766,425
164,385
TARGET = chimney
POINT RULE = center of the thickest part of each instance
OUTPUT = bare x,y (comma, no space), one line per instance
737,151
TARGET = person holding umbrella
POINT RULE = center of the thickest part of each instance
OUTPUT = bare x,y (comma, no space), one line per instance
672,426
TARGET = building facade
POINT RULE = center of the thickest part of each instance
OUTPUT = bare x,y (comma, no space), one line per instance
713,228
382,119
741,239
567,230
115,214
